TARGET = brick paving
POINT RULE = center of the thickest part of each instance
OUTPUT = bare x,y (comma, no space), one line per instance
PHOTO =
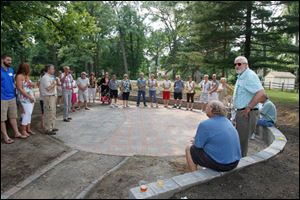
130,131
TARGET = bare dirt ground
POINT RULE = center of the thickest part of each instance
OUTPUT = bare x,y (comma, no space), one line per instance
276,178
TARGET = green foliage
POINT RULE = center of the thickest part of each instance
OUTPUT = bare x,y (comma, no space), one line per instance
115,36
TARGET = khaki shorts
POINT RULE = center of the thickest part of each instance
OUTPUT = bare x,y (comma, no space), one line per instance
8,109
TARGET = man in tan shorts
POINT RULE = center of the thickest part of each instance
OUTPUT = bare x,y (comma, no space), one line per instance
8,100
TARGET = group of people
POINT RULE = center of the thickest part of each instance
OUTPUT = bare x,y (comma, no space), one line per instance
218,144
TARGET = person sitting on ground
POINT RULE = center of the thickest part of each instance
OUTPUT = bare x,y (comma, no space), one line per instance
204,85
113,87
190,86
82,84
152,84
166,85
268,114
216,144
178,89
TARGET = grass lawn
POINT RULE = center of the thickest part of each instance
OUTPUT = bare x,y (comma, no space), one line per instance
283,97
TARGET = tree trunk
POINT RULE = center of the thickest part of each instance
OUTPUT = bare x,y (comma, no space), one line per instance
248,33
132,52
122,43
297,58
225,47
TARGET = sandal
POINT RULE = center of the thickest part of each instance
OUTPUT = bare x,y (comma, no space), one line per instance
9,141
31,132
21,136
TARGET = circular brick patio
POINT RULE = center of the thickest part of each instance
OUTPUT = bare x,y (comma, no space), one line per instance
130,131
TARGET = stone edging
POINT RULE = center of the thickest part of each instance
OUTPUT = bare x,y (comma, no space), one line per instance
271,136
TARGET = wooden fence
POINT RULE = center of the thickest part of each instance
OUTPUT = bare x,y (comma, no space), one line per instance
282,86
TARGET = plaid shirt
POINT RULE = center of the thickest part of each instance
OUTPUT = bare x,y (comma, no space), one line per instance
67,81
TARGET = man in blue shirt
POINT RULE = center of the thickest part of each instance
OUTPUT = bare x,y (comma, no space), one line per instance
268,113
247,93
216,144
8,100
141,83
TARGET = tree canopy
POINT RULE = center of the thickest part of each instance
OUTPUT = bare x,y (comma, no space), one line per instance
186,37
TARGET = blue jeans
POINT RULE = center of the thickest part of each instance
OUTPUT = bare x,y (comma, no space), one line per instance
143,93
265,123
67,94
152,94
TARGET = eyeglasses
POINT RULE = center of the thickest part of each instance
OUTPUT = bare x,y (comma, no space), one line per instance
239,64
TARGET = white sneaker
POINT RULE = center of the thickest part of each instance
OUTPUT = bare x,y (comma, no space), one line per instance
112,106
116,106
252,136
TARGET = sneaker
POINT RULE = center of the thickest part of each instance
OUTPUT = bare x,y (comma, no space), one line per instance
87,108
55,129
69,118
50,133
66,120
145,105
112,106
252,136
175,106
187,108
179,107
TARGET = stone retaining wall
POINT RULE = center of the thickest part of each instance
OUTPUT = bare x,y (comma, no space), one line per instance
271,136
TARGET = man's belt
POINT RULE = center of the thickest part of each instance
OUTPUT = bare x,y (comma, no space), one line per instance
245,108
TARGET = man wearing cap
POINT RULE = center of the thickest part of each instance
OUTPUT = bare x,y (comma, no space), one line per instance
66,84
83,83
247,93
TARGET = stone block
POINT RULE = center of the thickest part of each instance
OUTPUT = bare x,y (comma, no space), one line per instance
135,193
188,180
169,188
265,155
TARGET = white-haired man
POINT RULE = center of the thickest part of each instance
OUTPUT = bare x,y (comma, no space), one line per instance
247,93
216,144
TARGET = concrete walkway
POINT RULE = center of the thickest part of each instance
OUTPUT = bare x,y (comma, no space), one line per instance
130,131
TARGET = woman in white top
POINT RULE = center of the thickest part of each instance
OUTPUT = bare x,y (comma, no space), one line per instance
152,84
166,93
204,85
223,91
190,85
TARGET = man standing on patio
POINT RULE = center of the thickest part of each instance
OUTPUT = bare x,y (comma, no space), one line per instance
49,92
67,88
247,93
